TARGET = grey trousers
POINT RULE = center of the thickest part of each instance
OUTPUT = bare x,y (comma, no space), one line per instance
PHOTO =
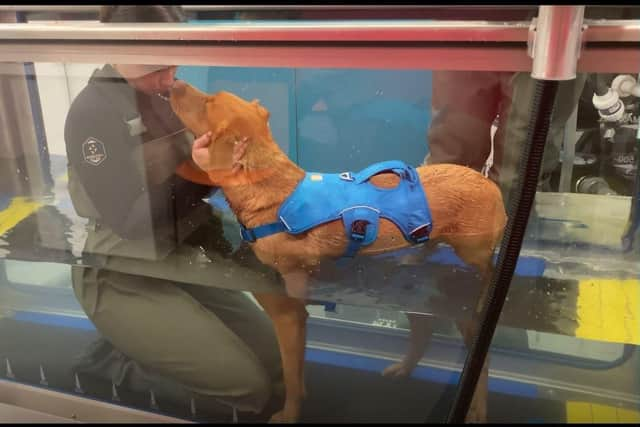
215,344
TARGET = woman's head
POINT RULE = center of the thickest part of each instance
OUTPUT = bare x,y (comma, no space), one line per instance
149,79
125,14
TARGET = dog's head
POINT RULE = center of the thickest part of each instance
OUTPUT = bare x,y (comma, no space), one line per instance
228,117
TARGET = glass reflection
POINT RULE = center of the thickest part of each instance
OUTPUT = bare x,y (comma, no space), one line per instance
553,327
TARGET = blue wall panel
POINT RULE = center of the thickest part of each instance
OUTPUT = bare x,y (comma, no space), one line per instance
348,119
334,120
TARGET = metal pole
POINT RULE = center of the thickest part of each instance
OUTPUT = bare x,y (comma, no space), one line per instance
569,152
557,42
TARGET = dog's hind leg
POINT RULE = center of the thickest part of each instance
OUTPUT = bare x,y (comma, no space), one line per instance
478,409
478,252
420,332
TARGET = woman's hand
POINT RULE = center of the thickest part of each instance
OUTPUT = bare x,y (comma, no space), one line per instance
200,152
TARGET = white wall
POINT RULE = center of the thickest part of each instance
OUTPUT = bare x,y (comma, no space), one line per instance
58,85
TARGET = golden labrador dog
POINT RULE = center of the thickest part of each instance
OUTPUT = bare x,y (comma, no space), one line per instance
466,208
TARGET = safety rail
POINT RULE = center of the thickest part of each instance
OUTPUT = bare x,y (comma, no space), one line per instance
608,46
222,7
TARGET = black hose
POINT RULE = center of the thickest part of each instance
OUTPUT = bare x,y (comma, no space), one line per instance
519,209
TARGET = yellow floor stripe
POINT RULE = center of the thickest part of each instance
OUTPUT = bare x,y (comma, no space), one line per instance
19,209
609,310
628,416
604,414
579,412
585,412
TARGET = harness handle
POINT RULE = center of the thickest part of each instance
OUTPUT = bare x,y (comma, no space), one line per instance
398,167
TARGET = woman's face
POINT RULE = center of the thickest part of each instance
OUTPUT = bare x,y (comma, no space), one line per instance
159,81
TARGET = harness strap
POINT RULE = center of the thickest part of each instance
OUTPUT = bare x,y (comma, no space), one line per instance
353,248
252,234
360,222
361,227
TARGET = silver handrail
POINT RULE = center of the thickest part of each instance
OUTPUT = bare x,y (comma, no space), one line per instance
415,44
304,31
198,8
298,31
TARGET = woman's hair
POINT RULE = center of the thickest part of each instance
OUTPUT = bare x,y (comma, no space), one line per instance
142,14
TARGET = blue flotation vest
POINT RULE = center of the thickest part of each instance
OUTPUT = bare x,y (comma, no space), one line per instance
320,198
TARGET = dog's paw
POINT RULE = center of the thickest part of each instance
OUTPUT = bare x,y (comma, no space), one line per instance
289,414
398,370
283,417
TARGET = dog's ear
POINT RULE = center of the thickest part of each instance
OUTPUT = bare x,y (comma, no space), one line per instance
264,113
221,148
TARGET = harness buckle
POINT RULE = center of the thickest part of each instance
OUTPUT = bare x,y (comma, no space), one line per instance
359,229
246,234
409,174
421,234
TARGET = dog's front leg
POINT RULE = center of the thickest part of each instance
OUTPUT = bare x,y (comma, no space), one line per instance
289,317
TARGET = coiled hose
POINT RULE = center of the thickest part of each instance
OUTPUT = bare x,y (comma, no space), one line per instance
519,209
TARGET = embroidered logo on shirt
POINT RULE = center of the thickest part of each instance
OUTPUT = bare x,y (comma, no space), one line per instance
93,151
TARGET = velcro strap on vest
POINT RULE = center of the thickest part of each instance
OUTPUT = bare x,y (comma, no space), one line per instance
361,227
